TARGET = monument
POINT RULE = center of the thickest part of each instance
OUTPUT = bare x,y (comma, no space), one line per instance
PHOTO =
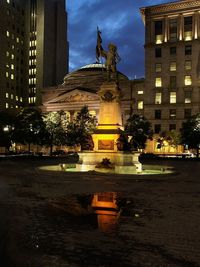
105,154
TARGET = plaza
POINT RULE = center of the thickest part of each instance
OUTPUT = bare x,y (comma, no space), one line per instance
48,219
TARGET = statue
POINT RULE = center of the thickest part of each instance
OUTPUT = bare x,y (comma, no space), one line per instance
111,56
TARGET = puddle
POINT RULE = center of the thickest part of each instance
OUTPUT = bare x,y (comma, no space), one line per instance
100,211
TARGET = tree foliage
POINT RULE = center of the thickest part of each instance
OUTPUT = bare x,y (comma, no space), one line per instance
29,127
80,130
6,127
139,129
190,132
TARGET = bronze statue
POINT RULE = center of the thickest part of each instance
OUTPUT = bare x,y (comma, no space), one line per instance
111,56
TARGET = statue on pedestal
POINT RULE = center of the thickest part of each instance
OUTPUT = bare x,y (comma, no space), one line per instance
111,56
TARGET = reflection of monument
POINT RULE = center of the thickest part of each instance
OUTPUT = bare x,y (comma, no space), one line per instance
105,207
109,122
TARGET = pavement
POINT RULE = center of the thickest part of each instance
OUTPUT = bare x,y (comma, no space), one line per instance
49,219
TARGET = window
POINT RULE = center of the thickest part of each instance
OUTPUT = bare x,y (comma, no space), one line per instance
173,66
188,97
8,1
157,128
7,105
187,113
188,64
7,33
172,114
12,76
7,95
7,53
172,127
188,28
158,52
158,32
172,98
173,82
188,80
158,67
11,96
140,104
188,50
157,114
158,82
158,98
173,30
173,50
7,74
140,92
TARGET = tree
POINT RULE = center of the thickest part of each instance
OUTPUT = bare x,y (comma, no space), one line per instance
190,132
6,127
139,129
56,128
79,132
29,127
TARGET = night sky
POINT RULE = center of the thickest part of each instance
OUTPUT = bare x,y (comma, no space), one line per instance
120,23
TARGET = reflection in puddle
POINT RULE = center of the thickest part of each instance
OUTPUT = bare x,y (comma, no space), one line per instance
105,207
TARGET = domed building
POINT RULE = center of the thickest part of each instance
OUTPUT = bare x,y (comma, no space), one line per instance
80,88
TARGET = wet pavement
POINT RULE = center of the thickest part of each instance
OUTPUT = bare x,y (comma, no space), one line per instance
56,219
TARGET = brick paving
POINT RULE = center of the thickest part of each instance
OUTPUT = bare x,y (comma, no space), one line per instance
43,224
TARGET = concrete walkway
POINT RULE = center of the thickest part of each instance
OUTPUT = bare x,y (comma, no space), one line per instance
46,219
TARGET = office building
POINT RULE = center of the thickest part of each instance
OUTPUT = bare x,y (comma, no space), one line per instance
34,49
172,63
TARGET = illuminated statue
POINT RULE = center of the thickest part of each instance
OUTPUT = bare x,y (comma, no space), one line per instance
111,56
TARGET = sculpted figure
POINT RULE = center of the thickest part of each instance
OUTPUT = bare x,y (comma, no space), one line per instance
111,56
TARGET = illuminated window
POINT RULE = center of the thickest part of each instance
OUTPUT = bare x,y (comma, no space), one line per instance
12,67
7,105
7,74
188,28
158,82
12,56
159,32
158,67
188,97
8,1
92,112
172,97
7,33
188,80
140,104
158,98
173,66
172,114
7,53
16,98
11,96
21,100
17,39
7,95
12,76
159,39
188,65
140,92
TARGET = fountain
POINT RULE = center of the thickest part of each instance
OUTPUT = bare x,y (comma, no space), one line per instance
105,155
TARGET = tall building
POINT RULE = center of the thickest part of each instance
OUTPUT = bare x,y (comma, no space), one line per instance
172,63
34,49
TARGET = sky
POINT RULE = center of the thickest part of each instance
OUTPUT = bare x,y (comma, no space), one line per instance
119,21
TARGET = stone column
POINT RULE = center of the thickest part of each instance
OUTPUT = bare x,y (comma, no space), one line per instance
195,25
166,31
180,27
71,115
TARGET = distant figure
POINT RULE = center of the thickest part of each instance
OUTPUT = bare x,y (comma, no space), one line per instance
111,56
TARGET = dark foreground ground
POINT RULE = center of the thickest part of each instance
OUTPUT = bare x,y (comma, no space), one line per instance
46,219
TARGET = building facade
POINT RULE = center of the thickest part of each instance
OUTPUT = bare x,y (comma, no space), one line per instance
34,49
172,63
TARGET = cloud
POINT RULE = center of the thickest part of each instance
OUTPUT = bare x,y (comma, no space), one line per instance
120,23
